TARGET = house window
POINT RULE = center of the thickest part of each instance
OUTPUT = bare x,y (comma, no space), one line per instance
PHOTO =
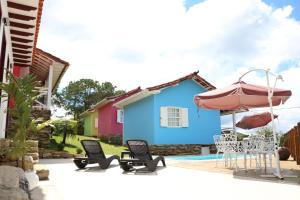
120,116
173,117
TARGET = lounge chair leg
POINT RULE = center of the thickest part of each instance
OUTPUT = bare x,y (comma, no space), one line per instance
104,164
126,167
163,162
80,163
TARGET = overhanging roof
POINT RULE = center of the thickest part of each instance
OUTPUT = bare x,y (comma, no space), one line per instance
24,18
116,98
193,76
85,113
156,89
41,64
136,97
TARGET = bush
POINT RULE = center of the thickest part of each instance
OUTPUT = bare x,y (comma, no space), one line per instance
60,147
104,139
283,140
79,151
62,124
116,140
112,139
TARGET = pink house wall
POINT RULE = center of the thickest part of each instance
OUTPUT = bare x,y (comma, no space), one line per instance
107,116
107,121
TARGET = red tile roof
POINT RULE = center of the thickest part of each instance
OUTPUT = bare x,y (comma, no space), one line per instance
193,76
38,22
116,97
127,94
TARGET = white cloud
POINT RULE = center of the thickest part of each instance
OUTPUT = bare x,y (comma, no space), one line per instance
133,42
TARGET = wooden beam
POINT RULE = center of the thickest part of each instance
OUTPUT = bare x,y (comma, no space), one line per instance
39,59
20,6
21,60
22,65
42,56
21,51
39,75
22,46
37,70
40,64
21,33
21,56
20,17
21,25
17,39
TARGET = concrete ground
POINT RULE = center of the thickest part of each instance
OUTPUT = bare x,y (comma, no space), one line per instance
68,183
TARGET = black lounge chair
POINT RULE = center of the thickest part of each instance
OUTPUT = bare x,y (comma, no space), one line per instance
141,156
94,154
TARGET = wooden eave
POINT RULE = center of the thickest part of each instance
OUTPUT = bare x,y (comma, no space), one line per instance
20,17
21,56
19,6
24,22
193,76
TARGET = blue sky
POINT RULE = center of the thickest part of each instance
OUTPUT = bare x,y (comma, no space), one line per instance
281,3
274,3
144,43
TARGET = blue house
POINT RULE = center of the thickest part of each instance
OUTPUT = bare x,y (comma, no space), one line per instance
166,114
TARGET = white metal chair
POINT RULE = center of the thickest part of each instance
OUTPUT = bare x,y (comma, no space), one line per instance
255,148
219,146
268,150
227,144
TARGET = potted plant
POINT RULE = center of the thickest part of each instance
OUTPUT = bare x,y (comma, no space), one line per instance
22,93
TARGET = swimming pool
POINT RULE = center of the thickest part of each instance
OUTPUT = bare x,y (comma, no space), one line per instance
196,157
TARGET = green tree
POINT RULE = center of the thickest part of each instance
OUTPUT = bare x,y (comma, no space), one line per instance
265,131
80,95
65,127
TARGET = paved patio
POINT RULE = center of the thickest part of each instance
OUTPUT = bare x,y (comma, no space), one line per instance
66,182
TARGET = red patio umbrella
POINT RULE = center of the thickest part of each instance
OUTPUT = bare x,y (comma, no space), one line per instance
240,95
255,121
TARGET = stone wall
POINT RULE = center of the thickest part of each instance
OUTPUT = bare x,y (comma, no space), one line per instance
181,149
31,148
43,136
48,154
44,114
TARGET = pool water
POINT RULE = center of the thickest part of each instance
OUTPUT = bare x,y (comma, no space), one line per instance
197,157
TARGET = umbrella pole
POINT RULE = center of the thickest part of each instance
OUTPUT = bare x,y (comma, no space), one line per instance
270,95
233,122
234,132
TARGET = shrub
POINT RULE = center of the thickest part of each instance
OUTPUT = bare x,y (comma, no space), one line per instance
60,147
78,151
104,139
61,124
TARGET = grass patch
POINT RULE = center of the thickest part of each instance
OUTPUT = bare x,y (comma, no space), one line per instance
73,143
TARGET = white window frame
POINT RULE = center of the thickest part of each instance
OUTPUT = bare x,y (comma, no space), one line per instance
173,117
120,116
